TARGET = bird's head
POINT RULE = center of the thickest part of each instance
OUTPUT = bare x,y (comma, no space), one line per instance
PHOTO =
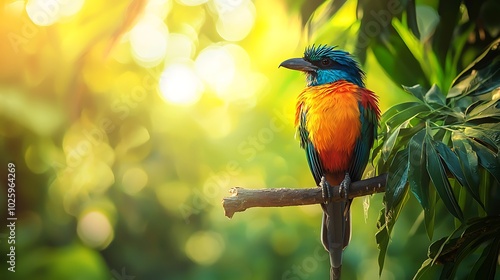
324,64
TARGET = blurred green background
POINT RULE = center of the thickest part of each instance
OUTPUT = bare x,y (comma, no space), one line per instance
129,121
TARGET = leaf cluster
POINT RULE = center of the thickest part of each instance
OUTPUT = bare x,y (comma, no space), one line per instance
444,148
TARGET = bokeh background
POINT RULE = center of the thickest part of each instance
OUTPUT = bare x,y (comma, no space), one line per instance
129,121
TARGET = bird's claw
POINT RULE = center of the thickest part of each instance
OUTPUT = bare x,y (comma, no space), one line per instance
344,186
326,190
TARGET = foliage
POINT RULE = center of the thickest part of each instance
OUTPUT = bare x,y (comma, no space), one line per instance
445,150
443,145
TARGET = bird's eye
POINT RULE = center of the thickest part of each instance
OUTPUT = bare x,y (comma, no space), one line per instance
326,62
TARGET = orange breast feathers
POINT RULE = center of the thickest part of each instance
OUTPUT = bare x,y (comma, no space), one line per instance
332,121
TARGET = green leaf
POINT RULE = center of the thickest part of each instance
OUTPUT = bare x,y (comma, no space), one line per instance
471,105
427,60
419,180
385,224
466,247
376,149
485,110
452,61
491,126
407,71
411,131
417,175
485,194
452,162
424,272
406,114
464,200
428,19
411,20
487,138
388,145
487,159
445,30
481,76
321,25
396,109
318,14
435,96
468,160
462,242
439,179
485,266
382,239
444,245
492,130
417,90
486,226
397,180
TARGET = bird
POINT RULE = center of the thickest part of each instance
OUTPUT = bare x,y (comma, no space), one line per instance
336,122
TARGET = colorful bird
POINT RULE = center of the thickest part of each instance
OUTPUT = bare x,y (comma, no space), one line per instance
336,120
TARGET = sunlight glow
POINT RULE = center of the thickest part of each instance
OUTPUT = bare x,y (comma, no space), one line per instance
172,195
15,7
35,158
148,41
69,8
134,180
204,247
160,8
216,67
226,69
192,2
180,84
95,230
48,12
216,122
180,47
236,19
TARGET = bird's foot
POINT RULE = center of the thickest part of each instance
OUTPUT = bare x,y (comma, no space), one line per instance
344,186
326,190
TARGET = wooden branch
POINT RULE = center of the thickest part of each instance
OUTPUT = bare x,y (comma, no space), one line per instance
242,199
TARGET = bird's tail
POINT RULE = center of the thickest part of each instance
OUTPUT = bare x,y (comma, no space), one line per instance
336,233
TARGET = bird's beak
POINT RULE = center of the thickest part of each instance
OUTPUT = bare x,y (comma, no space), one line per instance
299,64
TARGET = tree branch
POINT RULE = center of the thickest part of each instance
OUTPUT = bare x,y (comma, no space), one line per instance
242,199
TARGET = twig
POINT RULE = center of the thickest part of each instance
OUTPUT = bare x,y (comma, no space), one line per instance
242,199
